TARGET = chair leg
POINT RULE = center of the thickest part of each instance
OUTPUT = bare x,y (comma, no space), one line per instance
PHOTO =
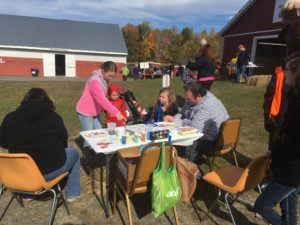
10,201
213,205
53,207
259,189
229,209
128,208
235,158
63,199
212,163
19,200
175,215
1,189
92,172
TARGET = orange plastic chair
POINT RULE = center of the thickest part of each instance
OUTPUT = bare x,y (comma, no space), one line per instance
138,181
19,174
226,141
233,180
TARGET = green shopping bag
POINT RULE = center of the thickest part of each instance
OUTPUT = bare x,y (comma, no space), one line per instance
165,191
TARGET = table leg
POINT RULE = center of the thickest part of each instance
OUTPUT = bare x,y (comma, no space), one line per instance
108,159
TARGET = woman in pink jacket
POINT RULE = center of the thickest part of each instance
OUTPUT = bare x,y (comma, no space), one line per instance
93,100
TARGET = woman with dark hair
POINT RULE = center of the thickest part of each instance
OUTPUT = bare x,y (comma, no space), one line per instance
205,65
94,101
36,129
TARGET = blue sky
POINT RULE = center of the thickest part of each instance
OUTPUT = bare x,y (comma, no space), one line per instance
196,14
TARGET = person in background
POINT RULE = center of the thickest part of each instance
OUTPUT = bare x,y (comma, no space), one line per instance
136,72
125,72
119,103
243,58
285,152
218,70
203,111
180,71
166,105
93,102
36,129
205,65
285,158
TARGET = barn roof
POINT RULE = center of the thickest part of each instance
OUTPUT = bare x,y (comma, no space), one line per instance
237,16
54,34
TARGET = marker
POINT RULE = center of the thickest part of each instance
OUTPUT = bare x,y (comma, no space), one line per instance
169,137
123,140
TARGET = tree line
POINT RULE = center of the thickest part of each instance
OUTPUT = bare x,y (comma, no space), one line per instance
170,45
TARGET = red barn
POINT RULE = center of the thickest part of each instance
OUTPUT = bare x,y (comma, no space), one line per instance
256,26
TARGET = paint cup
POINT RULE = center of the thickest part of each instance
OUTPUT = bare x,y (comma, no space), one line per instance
111,127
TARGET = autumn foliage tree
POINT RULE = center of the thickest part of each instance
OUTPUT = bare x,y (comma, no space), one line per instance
145,43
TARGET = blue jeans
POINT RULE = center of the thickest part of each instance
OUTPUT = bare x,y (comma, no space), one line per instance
89,123
72,165
241,70
276,193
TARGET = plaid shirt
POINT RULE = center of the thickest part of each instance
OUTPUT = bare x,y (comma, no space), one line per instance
207,116
186,78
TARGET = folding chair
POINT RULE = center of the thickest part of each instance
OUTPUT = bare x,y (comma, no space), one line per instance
226,141
20,175
232,180
138,180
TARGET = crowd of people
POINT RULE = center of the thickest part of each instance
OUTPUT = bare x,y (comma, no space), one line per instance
36,129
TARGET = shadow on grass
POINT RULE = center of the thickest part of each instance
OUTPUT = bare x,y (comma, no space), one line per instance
225,159
97,164
219,209
142,207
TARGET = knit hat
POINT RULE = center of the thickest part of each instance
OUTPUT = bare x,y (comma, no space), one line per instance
113,87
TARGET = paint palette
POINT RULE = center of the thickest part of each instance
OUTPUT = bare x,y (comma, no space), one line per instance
96,134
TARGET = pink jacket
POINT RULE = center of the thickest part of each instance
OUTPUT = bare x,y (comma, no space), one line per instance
93,100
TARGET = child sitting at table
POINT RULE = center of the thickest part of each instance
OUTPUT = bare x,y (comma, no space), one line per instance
166,105
114,97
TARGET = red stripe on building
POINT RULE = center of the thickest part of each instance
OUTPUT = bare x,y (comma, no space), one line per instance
19,66
85,68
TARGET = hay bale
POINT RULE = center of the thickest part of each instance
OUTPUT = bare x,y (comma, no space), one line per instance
2,150
259,80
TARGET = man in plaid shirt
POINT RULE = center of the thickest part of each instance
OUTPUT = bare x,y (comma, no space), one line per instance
203,111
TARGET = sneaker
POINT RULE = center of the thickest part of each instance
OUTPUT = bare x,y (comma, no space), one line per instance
72,199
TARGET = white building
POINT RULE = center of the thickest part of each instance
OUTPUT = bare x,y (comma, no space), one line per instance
57,47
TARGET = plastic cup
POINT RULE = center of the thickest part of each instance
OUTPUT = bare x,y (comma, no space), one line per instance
120,131
111,127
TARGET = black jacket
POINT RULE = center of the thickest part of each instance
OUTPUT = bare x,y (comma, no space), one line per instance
204,66
243,58
285,155
35,129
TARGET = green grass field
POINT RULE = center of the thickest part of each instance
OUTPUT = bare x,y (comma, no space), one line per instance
240,100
